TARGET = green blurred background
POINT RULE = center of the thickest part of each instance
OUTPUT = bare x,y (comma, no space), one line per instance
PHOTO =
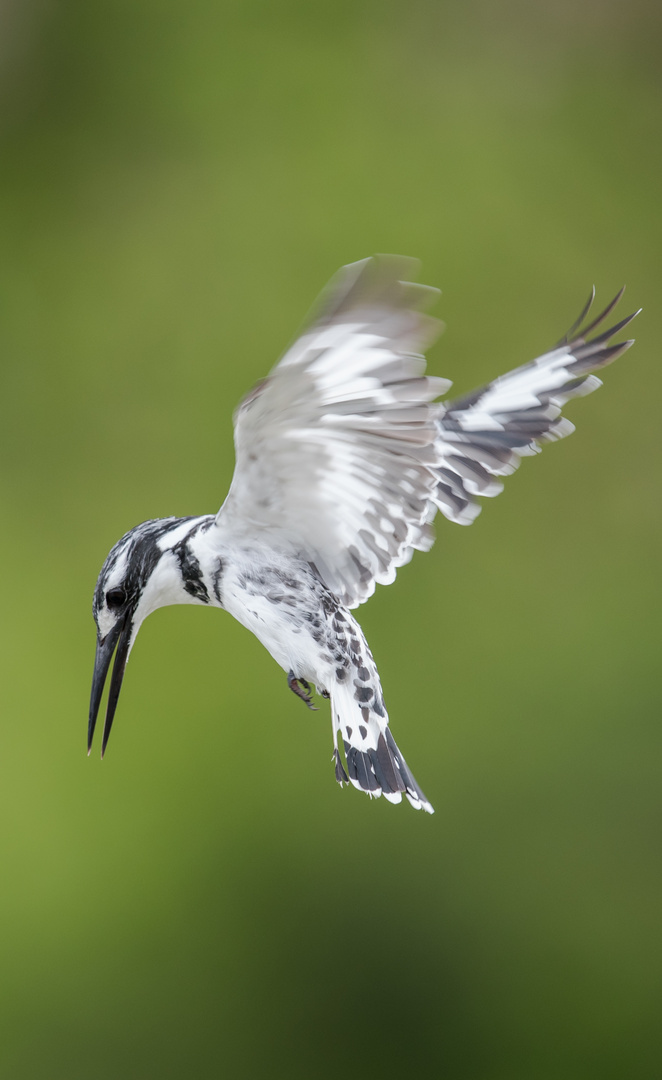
178,181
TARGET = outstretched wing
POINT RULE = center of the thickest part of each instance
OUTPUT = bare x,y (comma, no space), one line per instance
343,459
334,448
484,435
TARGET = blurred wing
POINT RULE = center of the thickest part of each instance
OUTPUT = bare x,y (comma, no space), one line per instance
334,447
485,434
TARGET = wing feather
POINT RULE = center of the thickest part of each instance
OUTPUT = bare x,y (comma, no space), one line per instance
334,448
342,456
493,428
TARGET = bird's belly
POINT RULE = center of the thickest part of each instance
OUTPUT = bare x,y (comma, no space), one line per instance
289,621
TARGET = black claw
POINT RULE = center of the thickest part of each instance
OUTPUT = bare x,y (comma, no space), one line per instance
302,690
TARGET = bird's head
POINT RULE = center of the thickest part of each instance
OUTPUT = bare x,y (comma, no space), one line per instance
140,575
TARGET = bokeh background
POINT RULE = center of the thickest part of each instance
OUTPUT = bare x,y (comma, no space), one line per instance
178,181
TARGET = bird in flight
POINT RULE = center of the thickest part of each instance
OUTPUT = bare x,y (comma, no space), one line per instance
343,458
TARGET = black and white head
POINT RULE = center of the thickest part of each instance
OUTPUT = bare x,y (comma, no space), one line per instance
140,575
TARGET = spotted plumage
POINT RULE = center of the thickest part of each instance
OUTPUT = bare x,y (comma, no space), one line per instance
343,459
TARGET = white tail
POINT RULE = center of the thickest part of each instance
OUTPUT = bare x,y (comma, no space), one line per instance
372,761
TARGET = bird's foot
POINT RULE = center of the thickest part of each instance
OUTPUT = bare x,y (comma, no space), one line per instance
302,689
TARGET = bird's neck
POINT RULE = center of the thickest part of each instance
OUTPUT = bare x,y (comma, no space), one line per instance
184,573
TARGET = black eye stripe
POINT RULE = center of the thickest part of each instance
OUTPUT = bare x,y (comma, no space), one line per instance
115,597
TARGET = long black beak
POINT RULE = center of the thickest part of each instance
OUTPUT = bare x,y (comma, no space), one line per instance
119,636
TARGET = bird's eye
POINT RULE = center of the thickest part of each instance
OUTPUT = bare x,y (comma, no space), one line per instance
115,598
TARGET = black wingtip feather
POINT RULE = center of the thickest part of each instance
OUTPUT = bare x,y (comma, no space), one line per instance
578,322
603,314
588,358
578,334
613,330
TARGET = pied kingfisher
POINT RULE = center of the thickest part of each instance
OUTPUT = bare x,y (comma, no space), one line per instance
343,459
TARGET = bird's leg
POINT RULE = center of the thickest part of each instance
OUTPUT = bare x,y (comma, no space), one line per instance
301,688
